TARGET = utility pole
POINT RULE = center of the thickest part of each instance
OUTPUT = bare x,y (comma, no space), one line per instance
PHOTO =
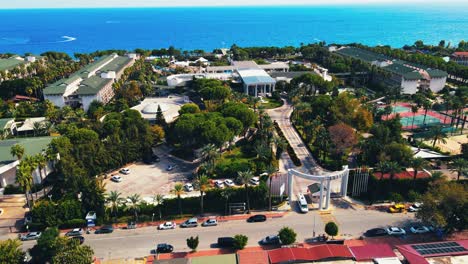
314,227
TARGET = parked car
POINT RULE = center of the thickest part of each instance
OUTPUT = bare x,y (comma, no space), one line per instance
30,236
397,208
374,232
257,218
210,222
164,248
226,242
170,167
116,178
188,187
219,184
270,240
167,225
396,231
131,225
229,183
79,238
125,171
415,207
255,181
419,229
192,222
74,232
104,230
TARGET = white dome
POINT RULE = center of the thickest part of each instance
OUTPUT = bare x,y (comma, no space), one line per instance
152,108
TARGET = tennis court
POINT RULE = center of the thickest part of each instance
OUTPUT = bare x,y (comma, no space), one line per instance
400,109
419,121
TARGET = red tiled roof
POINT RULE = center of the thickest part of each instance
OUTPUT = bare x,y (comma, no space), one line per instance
411,257
461,53
372,251
463,243
253,257
309,254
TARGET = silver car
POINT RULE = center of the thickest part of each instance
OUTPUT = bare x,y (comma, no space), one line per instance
210,222
30,236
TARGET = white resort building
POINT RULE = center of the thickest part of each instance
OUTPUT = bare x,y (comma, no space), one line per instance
255,78
92,82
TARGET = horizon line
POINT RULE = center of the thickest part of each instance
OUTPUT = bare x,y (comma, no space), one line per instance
318,4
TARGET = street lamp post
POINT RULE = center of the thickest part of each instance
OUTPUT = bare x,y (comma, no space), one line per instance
50,197
152,218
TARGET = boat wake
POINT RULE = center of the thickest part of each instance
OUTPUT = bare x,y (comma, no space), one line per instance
66,39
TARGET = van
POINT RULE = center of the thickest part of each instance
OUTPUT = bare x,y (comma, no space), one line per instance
192,222
226,242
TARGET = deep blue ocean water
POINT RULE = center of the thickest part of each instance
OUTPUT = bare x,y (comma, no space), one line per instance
86,30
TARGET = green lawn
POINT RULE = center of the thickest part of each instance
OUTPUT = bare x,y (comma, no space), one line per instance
271,103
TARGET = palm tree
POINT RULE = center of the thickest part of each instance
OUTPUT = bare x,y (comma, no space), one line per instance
418,164
24,178
271,171
393,168
115,200
17,150
244,177
158,199
41,162
382,167
134,204
426,105
209,153
226,193
203,183
263,152
459,165
32,164
437,135
178,191
414,110
280,144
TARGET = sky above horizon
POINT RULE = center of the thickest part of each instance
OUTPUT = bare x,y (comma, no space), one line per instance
175,3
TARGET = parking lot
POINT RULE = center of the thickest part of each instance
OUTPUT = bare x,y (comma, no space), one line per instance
150,179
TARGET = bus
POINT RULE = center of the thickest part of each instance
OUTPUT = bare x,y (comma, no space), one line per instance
302,202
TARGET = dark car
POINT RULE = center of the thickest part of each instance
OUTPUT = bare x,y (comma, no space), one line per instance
270,240
79,238
104,230
226,242
257,218
164,248
376,232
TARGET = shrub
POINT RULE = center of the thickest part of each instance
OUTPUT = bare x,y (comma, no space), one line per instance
396,197
289,149
192,243
12,189
74,223
331,229
287,235
240,241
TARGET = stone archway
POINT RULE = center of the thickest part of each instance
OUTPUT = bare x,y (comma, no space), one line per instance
343,175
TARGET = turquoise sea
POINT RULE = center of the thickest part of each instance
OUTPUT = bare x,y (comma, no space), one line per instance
86,30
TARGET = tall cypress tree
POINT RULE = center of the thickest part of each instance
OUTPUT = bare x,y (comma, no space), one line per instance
160,120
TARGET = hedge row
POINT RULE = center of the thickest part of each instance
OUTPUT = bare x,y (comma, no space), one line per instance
289,148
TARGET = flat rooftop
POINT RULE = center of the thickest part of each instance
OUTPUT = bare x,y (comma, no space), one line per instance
255,76
32,146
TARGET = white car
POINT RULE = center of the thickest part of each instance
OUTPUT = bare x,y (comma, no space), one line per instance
219,184
229,183
210,222
396,231
167,225
255,181
419,229
116,178
188,187
125,171
415,207
30,236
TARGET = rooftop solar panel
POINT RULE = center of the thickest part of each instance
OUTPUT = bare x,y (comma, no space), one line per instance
438,248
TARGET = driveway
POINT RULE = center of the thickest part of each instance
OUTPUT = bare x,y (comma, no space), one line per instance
150,179
13,212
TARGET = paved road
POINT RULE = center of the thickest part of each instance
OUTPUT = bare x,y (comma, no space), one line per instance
140,242
282,116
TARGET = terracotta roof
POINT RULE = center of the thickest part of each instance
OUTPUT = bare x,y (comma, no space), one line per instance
411,257
255,257
372,251
461,53
403,175
309,254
